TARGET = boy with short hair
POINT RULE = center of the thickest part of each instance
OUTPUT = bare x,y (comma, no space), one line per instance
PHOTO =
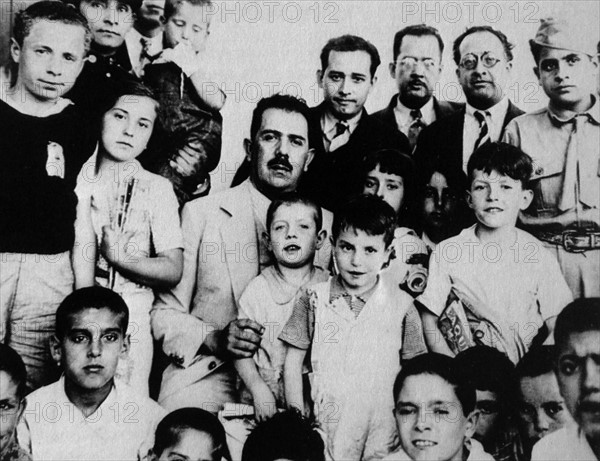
86,414
496,281
541,408
435,412
353,326
563,141
188,142
577,368
45,141
13,387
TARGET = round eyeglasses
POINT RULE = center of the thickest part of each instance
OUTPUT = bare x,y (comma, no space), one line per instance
469,61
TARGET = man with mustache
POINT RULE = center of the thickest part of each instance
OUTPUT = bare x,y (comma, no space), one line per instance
484,59
416,68
197,320
577,368
342,129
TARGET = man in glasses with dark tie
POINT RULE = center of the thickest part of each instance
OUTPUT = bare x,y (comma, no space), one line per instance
563,140
416,69
483,56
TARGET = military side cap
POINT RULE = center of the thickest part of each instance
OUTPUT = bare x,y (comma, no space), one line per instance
559,34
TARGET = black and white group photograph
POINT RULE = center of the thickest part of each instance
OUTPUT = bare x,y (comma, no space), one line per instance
312,230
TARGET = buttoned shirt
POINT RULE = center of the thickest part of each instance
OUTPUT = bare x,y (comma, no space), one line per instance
329,129
471,128
134,39
404,119
545,136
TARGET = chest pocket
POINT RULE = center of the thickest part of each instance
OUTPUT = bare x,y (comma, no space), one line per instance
547,184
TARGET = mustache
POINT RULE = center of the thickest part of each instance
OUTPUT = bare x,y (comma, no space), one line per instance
589,406
280,161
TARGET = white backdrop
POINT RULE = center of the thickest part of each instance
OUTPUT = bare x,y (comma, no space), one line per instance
258,48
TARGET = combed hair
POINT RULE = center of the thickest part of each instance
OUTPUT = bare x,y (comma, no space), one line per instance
12,364
538,361
172,5
283,102
287,435
580,316
171,426
49,10
502,158
291,199
128,87
508,47
347,43
90,298
418,30
444,367
367,213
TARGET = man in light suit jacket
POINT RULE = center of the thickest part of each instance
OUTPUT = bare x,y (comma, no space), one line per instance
484,59
416,68
223,251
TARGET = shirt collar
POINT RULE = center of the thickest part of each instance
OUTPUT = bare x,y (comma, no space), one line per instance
328,122
427,111
338,290
497,112
110,399
593,112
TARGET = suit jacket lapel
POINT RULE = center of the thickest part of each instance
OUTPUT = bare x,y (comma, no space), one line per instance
240,240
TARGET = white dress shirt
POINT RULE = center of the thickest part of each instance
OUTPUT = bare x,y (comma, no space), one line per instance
133,39
328,126
404,120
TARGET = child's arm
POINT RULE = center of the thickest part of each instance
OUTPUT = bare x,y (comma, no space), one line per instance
433,336
162,271
292,377
263,399
208,90
83,256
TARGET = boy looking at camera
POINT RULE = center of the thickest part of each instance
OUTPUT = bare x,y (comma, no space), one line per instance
498,278
353,325
86,414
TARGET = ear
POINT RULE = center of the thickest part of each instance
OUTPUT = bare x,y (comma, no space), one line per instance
125,347
15,50
373,82
320,78
388,255
536,71
248,149
526,198
267,240
509,65
56,349
458,73
469,199
321,237
310,155
392,69
471,423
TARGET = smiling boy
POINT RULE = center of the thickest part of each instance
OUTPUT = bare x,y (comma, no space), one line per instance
86,414
508,285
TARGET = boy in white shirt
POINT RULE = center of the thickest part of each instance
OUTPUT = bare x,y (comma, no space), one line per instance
499,280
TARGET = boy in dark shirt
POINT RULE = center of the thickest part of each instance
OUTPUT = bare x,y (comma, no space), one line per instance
43,145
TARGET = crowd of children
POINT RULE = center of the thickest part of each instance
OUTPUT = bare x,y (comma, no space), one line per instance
439,329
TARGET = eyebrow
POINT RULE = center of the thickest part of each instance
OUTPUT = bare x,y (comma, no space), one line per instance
90,332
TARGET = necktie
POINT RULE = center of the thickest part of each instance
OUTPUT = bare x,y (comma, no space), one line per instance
570,195
340,129
484,132
340,136
145,56
415,127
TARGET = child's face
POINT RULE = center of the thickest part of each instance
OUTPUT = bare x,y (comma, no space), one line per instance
188,24
440,203
489,415
497,199
568,78
293,237
50,59
11,408
192,445
359,258
430,419
542,409
127,127
91,348
389,187
151,13
109,20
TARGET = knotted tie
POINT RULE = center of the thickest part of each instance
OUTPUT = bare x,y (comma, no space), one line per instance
415,127
339,138
484,132
570,196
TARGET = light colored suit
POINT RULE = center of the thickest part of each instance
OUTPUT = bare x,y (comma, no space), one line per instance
220,259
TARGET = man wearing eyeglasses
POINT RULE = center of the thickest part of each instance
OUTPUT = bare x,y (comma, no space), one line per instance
563,141
484,59
416,68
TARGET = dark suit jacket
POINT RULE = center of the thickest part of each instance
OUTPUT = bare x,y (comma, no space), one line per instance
441,143
334,176
442,109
